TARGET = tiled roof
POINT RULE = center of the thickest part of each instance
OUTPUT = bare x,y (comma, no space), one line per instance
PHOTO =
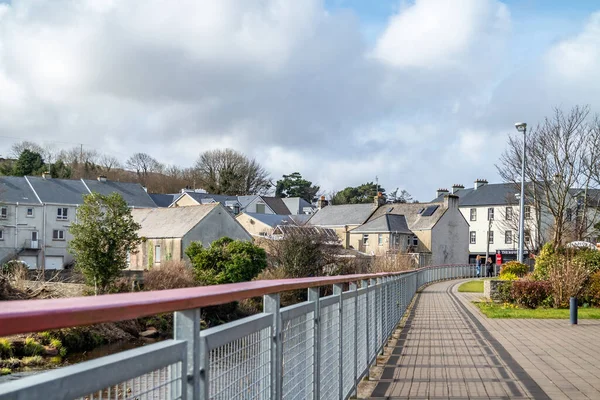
277,205
492,194
15,189
296,205
133,193
327,234
170,222
384,224
272,219
412,212
344,214
60,191
163,200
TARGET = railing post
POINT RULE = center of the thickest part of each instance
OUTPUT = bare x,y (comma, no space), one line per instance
194,375
365,285
354,288
271,305
313,295
338,289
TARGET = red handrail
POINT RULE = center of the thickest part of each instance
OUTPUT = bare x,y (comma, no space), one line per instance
26,316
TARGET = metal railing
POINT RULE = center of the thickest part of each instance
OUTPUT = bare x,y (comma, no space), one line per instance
317,349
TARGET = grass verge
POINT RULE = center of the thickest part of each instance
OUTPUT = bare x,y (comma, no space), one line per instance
471,287
492,310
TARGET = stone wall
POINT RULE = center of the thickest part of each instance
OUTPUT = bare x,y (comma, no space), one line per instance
490,288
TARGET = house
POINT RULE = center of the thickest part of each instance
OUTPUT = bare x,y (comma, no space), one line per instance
327,235
193,198
36,213
299,206
262,225
492,211
167,232
388,232
342,218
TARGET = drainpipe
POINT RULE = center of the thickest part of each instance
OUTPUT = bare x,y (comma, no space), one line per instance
43,247
17,227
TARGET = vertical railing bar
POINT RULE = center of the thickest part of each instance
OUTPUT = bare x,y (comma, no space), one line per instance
338,289
313,295
365,285
187,327
271,305
354,288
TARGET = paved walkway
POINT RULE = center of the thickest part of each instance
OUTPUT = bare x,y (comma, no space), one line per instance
448,350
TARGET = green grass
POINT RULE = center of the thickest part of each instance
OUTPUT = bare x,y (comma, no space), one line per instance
492,310
472,287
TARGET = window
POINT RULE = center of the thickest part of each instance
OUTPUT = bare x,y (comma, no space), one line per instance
527,212
1,234
3,212
260,208
157,254
365,240
569,216
491,237
236,209
527,236
473,214
34,236
380,239
508,214
30,212
508,237
491,214
58,234
472,237
62,213
128,259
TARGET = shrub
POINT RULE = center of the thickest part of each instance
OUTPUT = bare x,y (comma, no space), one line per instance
547,256
5,371
514,267
6,349
226,261
508,276
170,275
504,292
589,257
32,347
591,293
530,294
10,363
567,276
45,338
32,361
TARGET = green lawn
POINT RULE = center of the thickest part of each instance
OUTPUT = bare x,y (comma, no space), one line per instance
472,287
492,310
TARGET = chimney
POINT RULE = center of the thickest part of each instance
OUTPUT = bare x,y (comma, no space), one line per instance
451,201
378,200
456,187
46,175
479,183
102,178
322,202
441,192
145,189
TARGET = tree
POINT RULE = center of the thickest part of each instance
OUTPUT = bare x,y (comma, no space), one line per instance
109,163
29,163
60,170
358,195
231,173
402,197
226,261
294,185
143,165
562,153
103,235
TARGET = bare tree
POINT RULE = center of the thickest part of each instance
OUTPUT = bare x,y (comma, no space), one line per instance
143,165
230,172
109,163
560,151
17,148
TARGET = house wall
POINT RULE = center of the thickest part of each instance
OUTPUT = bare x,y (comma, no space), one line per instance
144,258
251,207
424,244
184,201
217,224
56,247
254,226
450,239
373,247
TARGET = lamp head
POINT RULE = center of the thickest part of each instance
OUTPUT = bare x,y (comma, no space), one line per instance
521,126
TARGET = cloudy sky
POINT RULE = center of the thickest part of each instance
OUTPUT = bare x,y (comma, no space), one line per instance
420,93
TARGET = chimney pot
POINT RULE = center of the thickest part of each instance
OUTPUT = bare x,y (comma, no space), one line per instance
102,178
456,187
479,183
440,192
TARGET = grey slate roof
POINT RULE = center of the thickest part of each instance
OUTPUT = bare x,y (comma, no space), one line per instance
593,195
61,191
15,189
170,222
133,193
411,212
387,223
327,234
277,205
245,200
344,214
300,219
272,219
489,194
163,200
204,198
296,205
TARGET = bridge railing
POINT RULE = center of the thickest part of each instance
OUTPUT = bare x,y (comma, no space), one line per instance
317,349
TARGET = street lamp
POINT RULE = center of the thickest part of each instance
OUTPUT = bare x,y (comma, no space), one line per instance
522,127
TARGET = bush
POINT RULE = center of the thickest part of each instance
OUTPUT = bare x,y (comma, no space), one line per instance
5,371
6,350
514,267
589,257
504,292
226,261
591,293
508,276
32,361
32,347
170,275
547,256
530,294
567,276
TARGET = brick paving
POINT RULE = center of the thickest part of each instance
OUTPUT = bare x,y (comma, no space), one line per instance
449,350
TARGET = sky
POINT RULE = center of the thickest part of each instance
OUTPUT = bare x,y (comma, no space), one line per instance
420,94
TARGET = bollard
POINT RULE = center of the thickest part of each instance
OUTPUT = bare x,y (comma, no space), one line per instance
573,310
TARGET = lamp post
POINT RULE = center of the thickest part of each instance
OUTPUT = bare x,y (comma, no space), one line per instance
522,127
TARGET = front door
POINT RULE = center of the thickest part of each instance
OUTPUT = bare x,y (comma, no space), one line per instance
34,236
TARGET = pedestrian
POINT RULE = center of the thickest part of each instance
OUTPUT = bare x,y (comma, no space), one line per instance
478,265
489,267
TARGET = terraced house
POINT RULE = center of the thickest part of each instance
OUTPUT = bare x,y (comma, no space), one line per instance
36,213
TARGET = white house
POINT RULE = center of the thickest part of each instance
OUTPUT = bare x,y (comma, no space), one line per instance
36,213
